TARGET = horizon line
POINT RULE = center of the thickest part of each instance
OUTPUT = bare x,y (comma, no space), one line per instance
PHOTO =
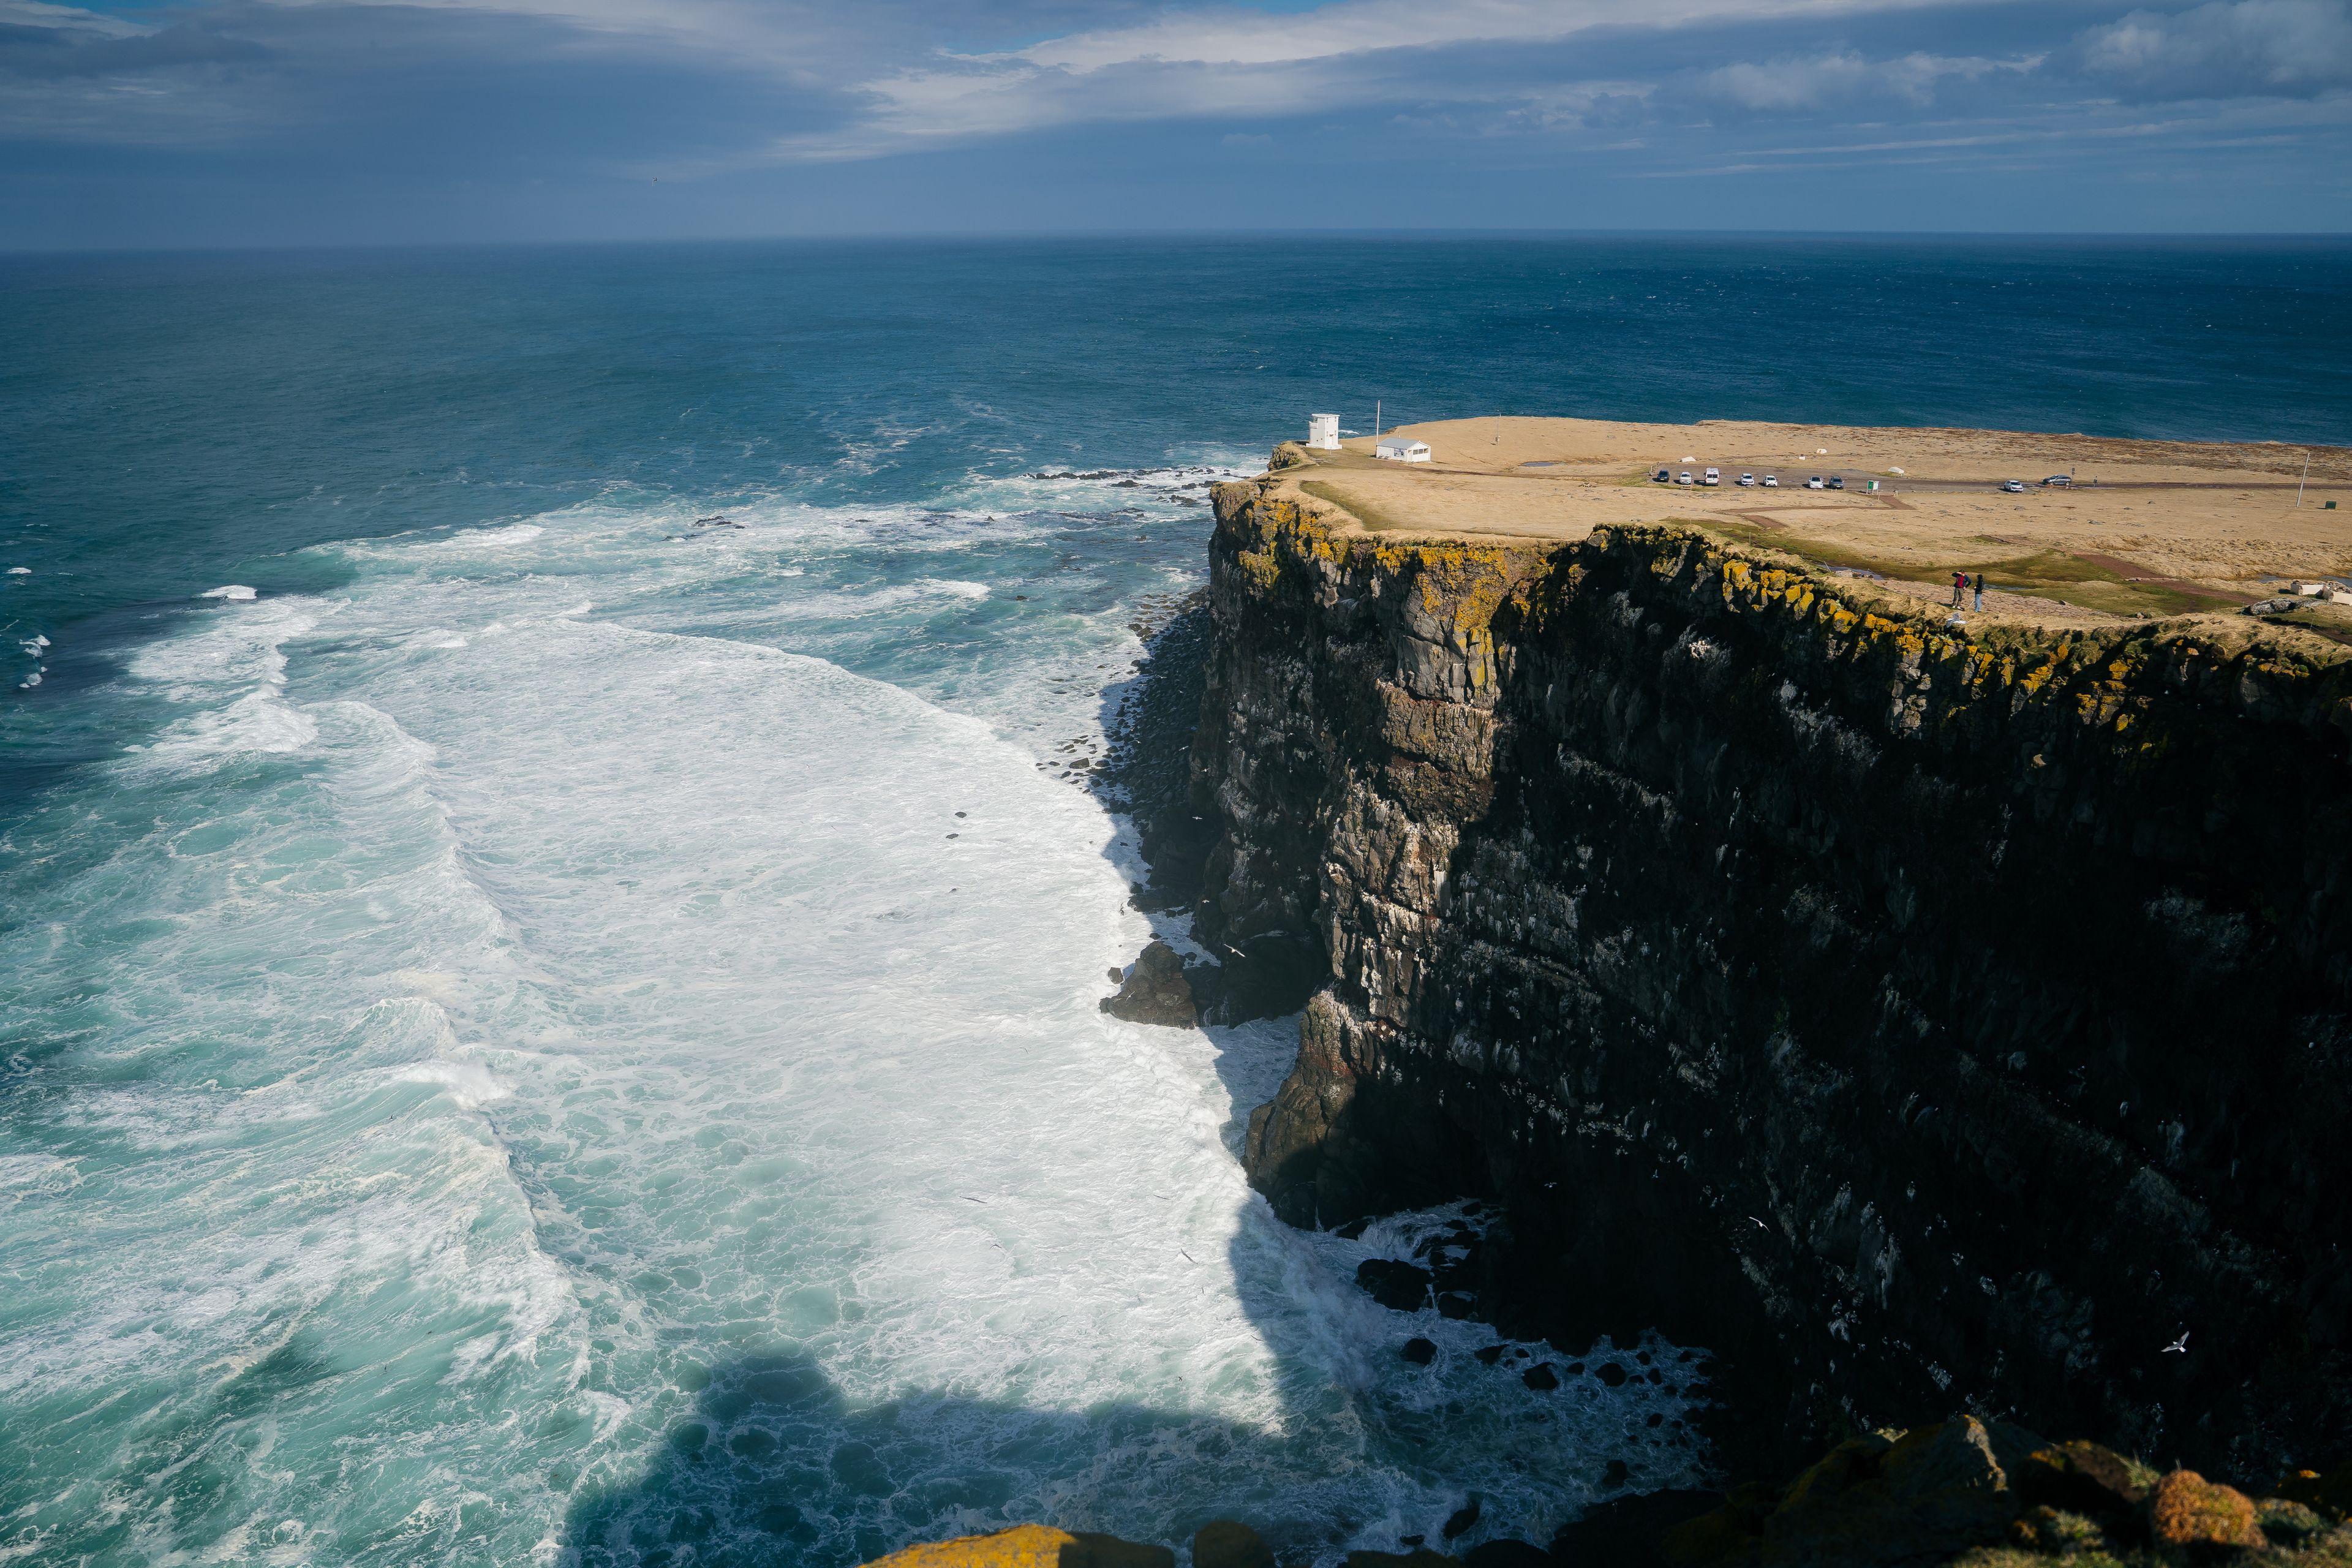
1015,236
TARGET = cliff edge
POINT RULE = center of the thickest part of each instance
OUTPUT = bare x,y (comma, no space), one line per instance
1919,1018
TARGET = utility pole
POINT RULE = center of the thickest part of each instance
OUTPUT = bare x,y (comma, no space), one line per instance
2305,480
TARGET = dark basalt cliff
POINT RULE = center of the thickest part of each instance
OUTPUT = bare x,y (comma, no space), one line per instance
1918,1019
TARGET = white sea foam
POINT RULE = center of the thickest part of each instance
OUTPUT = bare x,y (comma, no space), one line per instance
236,590
496,538
615,1012
35,1170
232,672
210,657
468,1085
258,721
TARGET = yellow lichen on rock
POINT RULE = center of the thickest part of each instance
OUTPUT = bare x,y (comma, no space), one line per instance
1259,566
2189,1516
1023,1546
1031,1546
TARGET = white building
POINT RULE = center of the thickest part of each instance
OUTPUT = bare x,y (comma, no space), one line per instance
1323,432
1397,449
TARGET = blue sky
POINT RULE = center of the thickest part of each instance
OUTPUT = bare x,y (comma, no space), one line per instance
300,122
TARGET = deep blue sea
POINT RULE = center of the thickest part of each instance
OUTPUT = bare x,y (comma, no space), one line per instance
549,943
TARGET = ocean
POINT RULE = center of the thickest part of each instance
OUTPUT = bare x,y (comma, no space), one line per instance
552,899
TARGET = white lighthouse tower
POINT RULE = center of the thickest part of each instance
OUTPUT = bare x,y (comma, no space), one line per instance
1323,432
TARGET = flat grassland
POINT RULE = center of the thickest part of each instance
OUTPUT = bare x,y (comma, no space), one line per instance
2147,528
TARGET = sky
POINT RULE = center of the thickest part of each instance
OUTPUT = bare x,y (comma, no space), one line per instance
222,123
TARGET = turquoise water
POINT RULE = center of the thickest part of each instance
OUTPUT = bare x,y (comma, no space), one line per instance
541,1027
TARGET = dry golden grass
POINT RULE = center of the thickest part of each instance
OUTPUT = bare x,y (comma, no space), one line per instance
2170,528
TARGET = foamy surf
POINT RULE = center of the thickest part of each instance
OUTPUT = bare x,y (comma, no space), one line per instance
647,982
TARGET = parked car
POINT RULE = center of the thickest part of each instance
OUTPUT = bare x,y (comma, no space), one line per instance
1837,481
2059,481
1683,478
1713,477
1771,481
1815,483
1663,477
1747,479
2014,487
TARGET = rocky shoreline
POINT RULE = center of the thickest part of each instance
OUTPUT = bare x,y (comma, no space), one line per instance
1915,1019
1919,1022
1963,1490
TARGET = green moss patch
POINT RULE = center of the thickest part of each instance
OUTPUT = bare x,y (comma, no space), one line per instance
1372,517
2047,574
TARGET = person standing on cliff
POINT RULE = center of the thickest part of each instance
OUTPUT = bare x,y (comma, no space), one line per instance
1980,590
1960,584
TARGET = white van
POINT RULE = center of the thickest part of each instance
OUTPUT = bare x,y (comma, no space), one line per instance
1713,477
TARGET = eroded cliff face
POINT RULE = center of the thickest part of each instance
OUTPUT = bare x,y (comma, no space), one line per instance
1918,1020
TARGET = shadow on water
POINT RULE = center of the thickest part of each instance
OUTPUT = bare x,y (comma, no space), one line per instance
774,1468
775,1465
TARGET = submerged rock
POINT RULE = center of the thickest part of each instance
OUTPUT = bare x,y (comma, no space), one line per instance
1398,1286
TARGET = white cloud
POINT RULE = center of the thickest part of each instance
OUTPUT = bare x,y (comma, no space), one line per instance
2229,49
1798,85
1580,105
1215,62
787,81
72,18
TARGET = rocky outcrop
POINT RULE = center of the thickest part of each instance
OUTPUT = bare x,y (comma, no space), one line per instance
1988,1494
1154,991
1963,1490
1915,1018
1031,1546
1229,1543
